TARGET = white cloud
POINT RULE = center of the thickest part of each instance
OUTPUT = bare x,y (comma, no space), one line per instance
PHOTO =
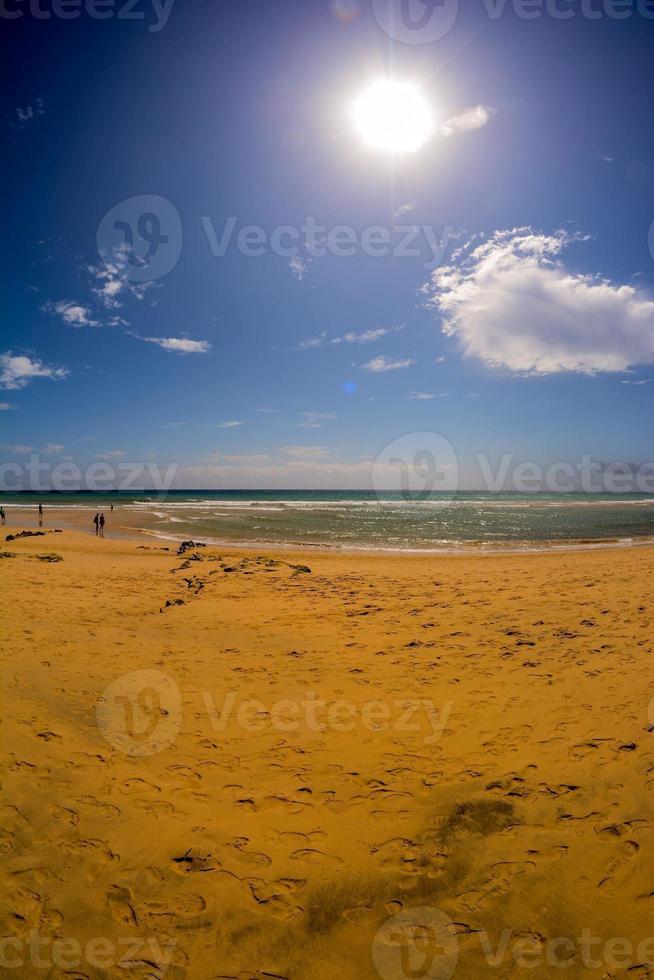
112,281
25,115
366,337
643,381
383,363
72,313
247,459
475,117
53,449
113,454
179,345
512,302
230,424
405,208
420,396
18,450
314,420
305,452
5,407
298,266
16,371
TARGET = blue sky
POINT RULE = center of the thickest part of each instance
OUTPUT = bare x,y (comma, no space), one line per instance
534,336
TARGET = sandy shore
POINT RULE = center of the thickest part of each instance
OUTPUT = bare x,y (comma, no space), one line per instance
228,766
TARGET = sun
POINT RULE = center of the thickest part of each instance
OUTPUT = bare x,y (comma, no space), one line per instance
393,116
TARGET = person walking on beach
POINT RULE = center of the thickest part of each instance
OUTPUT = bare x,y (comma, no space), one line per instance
3,516
40,514
96,521
101,525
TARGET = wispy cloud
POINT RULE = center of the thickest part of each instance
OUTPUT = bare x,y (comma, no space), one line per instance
230,424
18,450
72,313
17,370
5,407
305,452
53,449
383,363
111,282
475,117
299,266
178,345
314,420
513,303
24,115
111,454
365,337
643,381
404,208
246,459
420,396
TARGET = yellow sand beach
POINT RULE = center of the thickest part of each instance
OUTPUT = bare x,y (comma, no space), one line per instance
260,764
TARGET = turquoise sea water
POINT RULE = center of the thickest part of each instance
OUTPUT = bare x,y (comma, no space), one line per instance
356,519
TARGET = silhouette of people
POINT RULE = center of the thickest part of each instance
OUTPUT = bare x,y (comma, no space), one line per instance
101,525
96,521
3,516
111,507
40,515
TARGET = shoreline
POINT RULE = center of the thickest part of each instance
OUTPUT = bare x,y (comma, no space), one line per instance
77,518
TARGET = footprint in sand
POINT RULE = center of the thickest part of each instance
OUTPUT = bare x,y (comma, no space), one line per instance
253,859
138,785
121,905
194,861
98,848
619,867
85,760
65,814
278,896
617,830
106,810
158,808
319,858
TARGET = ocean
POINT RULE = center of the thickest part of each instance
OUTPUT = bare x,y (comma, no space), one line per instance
369,521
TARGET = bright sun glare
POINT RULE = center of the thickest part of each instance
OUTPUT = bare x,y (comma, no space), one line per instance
393,116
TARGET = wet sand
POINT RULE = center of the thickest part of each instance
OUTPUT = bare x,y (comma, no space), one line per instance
224,765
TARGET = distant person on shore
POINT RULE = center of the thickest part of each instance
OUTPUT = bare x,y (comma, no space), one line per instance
101,525
3,516
40,514
111,507
96,521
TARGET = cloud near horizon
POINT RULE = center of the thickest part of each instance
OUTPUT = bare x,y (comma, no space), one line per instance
512,303
17,370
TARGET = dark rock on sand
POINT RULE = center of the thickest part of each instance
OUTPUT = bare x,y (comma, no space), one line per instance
186,545
25,534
